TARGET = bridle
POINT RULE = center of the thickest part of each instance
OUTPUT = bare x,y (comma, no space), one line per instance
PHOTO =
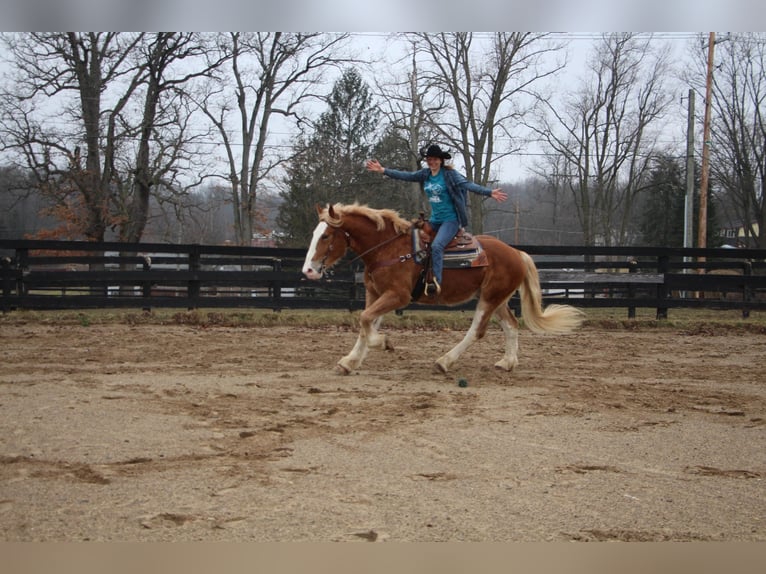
323,269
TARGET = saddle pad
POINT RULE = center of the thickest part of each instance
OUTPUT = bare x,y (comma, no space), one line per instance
462,252
464,258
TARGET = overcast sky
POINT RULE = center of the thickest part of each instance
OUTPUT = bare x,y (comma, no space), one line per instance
382,49
391,15
372,20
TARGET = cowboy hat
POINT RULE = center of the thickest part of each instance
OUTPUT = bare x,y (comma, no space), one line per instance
434,151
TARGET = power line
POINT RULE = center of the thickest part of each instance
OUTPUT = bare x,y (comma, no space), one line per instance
567,35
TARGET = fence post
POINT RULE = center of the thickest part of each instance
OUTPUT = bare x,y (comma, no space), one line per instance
193,290
22,263
6,284
276,287
747,272
663,264
632,268
147,286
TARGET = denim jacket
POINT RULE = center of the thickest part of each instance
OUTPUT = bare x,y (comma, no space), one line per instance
457,186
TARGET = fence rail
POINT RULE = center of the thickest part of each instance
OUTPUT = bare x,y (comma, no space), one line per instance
78,275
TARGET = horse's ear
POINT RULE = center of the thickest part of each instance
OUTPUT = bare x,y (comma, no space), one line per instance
319,208
331,212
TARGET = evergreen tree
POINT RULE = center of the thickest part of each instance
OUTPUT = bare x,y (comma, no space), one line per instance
328,166
662,221
297,216
382,192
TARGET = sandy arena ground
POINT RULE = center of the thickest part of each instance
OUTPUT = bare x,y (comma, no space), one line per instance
147,432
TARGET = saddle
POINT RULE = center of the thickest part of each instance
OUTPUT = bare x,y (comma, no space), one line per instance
464,251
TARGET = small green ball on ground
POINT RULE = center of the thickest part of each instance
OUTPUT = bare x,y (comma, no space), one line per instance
462,383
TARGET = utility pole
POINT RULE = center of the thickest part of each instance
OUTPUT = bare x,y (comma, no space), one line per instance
689,203
704,178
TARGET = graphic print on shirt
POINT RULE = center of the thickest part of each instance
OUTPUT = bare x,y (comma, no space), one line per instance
435,188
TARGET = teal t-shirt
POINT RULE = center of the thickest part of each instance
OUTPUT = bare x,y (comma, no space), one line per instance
442,208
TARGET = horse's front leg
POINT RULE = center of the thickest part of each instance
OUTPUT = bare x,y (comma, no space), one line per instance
369,337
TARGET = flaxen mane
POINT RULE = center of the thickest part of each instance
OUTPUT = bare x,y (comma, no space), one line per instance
377,216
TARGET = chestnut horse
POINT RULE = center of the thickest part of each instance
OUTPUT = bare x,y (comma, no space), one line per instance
382,239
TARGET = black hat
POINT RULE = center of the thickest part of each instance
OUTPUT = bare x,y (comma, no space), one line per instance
435,151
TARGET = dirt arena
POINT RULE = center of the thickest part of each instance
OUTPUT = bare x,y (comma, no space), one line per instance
149,432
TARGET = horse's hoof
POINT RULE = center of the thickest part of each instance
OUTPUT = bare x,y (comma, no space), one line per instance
439,368
505,365
341,370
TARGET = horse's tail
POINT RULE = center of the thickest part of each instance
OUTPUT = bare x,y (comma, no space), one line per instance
557,319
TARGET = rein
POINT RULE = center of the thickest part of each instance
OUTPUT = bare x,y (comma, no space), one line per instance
377,264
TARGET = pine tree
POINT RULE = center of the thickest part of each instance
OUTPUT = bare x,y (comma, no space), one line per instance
328,166
407,198
662,222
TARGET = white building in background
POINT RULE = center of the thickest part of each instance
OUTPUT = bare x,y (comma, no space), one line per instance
736,236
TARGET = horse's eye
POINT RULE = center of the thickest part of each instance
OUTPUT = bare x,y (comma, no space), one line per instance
325,237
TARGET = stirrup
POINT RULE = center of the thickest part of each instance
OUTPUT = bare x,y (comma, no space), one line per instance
432,288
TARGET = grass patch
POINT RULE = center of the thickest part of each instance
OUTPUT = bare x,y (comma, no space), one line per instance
600,318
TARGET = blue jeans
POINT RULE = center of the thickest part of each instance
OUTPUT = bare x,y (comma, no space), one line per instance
445,232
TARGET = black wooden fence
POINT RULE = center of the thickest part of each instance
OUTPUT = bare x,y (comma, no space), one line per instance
78,275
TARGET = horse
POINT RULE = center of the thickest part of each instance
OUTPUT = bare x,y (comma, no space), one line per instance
382,239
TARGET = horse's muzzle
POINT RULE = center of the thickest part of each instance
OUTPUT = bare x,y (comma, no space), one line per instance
312,273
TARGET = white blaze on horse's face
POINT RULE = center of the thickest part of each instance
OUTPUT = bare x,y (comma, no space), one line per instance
312,268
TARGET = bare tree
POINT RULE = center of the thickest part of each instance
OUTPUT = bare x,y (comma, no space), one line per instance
201,216
76,70
166,132
268,75
71,117
553,193
738,150
406,105
601,137
482,90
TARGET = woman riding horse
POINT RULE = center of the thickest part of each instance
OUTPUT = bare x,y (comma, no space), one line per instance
381,239
446,190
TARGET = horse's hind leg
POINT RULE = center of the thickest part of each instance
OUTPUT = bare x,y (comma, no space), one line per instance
376,339
477,330
511,331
